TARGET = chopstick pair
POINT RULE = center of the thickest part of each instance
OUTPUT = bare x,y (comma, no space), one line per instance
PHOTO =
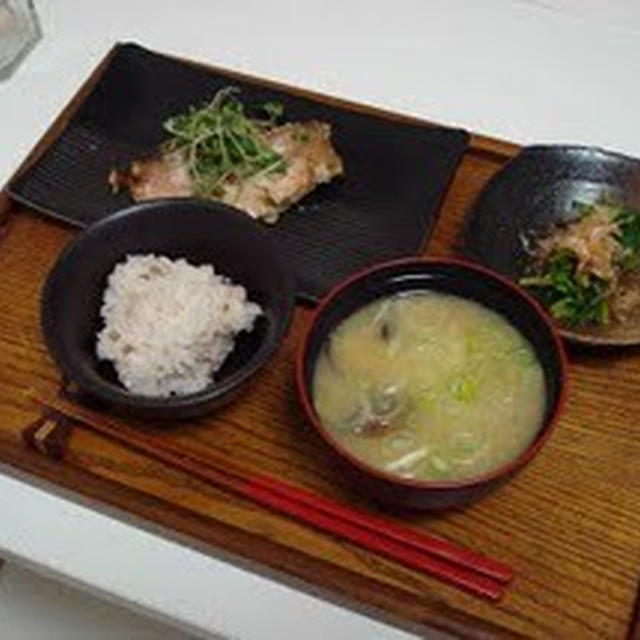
450,563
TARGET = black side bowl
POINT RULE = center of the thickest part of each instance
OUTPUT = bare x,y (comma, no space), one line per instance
203,233
537,189
452,277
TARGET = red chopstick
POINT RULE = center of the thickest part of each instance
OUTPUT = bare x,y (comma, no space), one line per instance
419,541
464,568
373,541
405,554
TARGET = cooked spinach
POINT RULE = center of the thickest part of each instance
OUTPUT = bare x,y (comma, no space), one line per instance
628,221
575,299
581,299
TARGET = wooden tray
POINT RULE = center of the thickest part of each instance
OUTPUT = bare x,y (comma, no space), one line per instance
569,523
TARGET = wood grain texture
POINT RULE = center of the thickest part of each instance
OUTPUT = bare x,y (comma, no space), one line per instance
568,523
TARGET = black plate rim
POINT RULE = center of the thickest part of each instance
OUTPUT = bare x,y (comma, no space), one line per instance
43,209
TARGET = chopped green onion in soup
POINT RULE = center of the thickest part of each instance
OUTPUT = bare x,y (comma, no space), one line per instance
460,394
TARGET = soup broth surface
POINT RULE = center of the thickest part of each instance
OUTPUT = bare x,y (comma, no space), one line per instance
429,386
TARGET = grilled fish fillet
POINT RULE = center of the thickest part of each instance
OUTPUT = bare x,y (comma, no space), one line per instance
305,146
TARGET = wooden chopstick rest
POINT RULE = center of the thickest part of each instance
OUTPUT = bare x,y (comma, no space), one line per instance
49,434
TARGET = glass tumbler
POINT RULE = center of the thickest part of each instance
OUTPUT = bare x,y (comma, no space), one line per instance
19,31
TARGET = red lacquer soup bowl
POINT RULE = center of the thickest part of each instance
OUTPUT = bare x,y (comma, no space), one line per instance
462,279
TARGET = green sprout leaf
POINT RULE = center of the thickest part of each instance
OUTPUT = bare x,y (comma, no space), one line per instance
221,143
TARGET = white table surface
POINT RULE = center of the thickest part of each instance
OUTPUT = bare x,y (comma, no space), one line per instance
526,70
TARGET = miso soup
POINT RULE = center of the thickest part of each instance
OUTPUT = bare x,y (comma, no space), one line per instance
429,386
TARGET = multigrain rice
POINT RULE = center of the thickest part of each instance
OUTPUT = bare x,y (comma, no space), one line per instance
169,325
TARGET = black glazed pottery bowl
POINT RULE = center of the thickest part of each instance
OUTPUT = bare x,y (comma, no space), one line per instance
201,232
537,189
446,276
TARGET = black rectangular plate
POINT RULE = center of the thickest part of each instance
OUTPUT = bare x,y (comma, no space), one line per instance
396,173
